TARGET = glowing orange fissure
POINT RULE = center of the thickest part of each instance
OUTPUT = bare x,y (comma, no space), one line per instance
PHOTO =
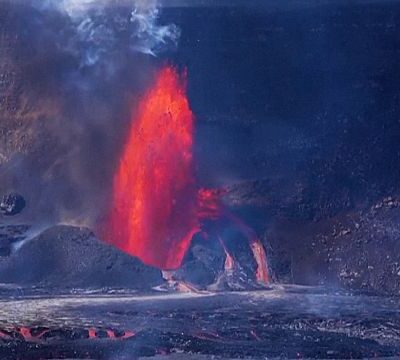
157,207
26,333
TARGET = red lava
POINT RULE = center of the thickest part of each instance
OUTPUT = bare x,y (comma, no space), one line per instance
157,206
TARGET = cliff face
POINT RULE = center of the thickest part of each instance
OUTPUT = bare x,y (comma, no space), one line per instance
297,114
21,101
12,108
27,108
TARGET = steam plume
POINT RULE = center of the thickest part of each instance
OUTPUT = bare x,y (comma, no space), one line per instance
97,33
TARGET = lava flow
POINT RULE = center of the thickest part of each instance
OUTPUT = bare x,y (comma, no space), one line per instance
212,208
157,207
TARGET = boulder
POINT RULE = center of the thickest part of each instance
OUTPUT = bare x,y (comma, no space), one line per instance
12,204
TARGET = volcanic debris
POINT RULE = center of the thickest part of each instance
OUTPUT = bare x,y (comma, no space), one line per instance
71,257
12,204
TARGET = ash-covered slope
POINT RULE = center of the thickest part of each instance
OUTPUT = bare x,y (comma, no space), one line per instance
65,256
357,249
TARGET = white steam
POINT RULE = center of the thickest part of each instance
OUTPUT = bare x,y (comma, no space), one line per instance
101,24
149,38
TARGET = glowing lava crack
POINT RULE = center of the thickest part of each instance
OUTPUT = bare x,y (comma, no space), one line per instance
157,207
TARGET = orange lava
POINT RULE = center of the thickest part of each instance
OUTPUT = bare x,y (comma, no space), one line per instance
211,207
157,207
209,204
27,334
154,192
5,336
92,333
111,334
262,273
229,262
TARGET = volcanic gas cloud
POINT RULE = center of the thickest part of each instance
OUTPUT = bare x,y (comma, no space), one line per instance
157,207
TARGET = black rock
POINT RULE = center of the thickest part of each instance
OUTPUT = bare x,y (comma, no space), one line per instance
5,246
12,204
203,263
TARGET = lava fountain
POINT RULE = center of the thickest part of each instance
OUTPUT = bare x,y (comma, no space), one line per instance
154,193
157,207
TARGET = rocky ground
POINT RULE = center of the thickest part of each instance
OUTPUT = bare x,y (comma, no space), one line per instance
69,257
356,248
66,258
289,323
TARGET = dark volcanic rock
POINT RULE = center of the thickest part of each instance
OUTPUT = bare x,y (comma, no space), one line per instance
203,262
65,256
5,246
358,249
12,234
12,204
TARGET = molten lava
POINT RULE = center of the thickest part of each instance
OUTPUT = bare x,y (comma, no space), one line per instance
212,208
154,196
157,207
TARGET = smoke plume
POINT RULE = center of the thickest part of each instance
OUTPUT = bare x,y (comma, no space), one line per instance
79,68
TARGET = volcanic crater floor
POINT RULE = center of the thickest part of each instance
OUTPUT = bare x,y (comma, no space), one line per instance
282,322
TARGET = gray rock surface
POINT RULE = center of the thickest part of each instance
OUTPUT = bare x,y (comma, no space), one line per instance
357,249
12,204
65,256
